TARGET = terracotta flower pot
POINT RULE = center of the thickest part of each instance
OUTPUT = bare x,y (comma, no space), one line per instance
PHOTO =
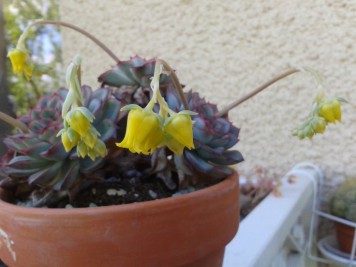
344,236
188,230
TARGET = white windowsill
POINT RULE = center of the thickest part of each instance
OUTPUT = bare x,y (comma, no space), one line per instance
262,234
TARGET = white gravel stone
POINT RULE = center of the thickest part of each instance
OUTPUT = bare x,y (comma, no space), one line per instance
92,205
69,206
153,194
121,192
111,192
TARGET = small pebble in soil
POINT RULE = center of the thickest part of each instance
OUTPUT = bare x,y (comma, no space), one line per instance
184,191
136,195
152,194
93,191
69,206
92,205
111,192
121,192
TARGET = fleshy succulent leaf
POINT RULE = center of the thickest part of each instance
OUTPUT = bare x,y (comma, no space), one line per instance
26,162
106,129
69,174
228,158
203,166
134,72
47,176
55,152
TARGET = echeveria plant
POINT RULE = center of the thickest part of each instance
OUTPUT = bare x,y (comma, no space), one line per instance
343,201
140,121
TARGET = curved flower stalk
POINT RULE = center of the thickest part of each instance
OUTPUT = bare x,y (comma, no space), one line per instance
323,110
20,58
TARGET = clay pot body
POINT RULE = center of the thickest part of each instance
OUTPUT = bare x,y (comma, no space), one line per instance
187,230
344,236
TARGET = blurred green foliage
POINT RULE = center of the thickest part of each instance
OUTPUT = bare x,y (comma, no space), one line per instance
43,44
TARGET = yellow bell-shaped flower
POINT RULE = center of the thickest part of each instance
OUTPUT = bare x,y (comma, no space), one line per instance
175,146
143,132
20,62
179,132
331,110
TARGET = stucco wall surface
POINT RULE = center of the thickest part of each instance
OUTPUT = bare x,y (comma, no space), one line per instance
224,49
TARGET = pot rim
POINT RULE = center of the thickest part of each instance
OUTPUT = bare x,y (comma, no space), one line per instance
216,189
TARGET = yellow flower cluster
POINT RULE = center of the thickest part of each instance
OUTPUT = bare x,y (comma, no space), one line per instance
146,131
326,111
80,133
21,63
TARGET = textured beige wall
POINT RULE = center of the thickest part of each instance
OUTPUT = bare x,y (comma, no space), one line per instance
224,49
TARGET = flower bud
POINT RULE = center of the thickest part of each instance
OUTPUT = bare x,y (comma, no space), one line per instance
100,148
82,149
69,139
319,124
78,121
90,138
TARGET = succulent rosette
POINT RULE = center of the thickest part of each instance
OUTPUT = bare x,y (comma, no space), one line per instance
37,159
213,136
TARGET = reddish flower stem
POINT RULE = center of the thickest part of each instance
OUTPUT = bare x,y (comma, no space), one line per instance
259,89
13,122
85,33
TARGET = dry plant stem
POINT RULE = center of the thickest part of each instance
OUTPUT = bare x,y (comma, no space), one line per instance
234,104
175,81
85,33
13,122
114,57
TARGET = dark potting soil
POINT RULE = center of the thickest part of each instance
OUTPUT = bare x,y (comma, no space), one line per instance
120,192
124,191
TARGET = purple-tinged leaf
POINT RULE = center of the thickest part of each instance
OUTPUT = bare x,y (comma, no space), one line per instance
69,175
47,176
228,158
56,152
26,162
